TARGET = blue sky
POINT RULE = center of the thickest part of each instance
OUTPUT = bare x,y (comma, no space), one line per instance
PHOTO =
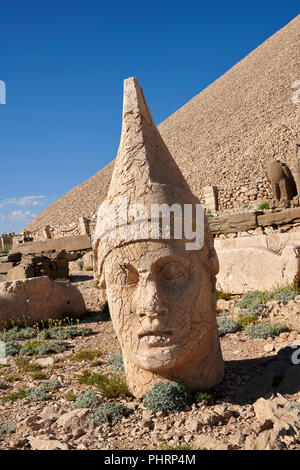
64,61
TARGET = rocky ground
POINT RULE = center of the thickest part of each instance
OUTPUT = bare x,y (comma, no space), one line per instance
257,406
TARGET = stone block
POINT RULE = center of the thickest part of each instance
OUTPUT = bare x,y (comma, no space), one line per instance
38,299
256,268
233,223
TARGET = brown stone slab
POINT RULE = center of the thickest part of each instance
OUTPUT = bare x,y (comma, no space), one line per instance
279,218
5,267
76,243
233,223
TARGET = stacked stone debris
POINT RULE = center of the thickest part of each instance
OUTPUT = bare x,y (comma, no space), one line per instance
14,266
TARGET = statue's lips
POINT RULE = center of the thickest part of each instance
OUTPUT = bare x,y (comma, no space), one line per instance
156,338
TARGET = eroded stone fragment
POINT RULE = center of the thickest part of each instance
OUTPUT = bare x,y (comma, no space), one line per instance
38,299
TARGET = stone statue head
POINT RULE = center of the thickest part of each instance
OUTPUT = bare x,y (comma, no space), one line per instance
161,295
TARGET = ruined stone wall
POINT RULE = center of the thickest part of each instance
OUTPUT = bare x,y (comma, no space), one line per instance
249,194
84,226
6,241
22,266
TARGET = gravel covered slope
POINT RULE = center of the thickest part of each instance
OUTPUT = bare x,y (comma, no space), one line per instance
226,134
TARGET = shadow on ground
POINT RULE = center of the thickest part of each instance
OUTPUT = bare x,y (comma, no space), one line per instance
81,278
268,375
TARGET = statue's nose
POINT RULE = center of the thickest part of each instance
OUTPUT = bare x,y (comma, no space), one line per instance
150,304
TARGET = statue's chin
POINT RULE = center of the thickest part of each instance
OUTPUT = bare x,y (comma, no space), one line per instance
158,359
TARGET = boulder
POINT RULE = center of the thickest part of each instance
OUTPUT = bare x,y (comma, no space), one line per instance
256,268
205,442
38,443
37,299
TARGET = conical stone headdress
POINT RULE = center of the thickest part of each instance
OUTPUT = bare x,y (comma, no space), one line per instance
144,174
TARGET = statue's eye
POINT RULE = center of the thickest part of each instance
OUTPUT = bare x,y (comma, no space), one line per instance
174,270
131,275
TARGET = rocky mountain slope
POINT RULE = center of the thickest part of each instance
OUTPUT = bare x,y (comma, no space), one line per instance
224,135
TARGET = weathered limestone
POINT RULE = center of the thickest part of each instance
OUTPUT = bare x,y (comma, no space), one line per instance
258,262
210,196
256,268
274,241
25,271
6,241
84,225
282,181
77,243
38,299
297,166
161,296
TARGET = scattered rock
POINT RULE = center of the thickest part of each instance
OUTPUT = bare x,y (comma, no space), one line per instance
209,443
38,443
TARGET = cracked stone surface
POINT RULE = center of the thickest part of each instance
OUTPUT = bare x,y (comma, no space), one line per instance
161,295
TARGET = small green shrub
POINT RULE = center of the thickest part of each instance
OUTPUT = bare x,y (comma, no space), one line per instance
14,396
42,393
111,413
251,299
80,264
89,268
206,397
38,394
97,363
18,334
38,375
12,378
113,386
86,355
41,348
257,298
263,206
294,406
26,366
116,362
12,348
227,325
53,384
223,295
177,446
265,330
67,332
7,428
88,400
247,316
70,396
284,293
169,397
245,319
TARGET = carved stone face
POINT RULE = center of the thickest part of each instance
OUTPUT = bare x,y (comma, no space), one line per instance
162,303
